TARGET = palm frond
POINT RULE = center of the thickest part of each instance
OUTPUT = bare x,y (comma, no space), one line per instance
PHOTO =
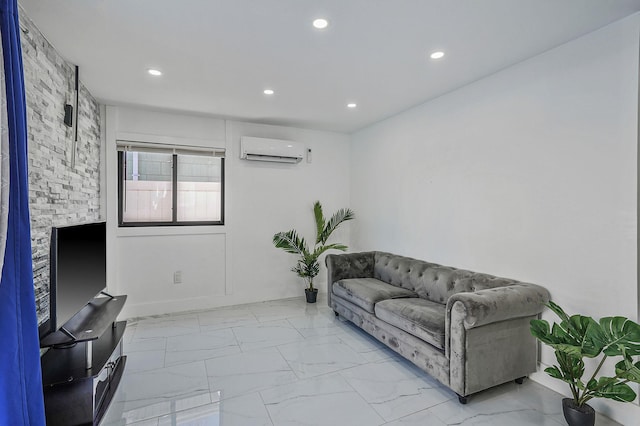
338,217
320,221
306,270
321,249
291,243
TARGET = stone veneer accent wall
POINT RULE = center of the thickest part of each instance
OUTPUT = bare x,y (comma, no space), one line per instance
58,193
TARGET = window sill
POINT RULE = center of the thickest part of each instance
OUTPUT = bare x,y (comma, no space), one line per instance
151,231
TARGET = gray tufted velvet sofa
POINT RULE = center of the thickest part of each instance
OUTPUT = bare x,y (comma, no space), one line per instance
468,330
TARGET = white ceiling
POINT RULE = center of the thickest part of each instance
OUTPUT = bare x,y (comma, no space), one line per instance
219,55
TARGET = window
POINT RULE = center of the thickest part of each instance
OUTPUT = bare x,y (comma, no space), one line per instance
166,185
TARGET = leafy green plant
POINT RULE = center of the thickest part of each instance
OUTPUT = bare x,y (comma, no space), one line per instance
307,266
578,337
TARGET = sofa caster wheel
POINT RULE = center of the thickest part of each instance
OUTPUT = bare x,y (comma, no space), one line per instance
520,380
336,313
462,399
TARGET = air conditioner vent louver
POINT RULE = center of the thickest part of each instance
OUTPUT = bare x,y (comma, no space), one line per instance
273,150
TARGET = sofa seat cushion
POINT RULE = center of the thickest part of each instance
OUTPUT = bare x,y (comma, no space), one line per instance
419,317
366,292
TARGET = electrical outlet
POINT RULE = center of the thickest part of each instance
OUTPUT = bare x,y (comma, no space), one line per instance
177,277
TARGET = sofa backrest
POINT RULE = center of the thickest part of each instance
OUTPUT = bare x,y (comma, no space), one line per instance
400,271
432,281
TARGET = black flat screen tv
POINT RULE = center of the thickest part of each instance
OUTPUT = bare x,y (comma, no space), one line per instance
78,270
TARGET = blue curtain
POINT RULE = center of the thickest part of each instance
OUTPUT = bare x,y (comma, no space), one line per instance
21,396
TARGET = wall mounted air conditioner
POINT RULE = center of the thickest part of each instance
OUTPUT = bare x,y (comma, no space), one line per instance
274,150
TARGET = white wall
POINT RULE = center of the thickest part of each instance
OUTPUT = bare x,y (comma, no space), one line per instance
529,173
230,264
267,198
141,261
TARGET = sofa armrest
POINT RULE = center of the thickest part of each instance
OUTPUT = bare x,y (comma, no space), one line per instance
487,340
348,265
498,304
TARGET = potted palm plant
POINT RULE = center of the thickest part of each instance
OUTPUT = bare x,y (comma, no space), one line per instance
578,337
307,265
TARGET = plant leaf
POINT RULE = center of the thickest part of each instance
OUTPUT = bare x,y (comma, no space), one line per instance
540,330
592,384
338,217
614,390
561,340
320,221
319,250
554,372
558,311
291,243
571,366
627,370
586,331
573,350
619,336
306,270
577,335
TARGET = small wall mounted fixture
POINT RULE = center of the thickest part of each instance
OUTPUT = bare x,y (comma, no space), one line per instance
68,115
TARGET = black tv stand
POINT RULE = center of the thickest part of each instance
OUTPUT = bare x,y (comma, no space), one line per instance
68,333
84,365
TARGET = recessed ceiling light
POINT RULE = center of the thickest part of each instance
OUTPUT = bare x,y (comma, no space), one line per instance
320,23
437,55
352,105
268,91
154,72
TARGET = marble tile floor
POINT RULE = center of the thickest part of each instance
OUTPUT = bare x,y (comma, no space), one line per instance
287,362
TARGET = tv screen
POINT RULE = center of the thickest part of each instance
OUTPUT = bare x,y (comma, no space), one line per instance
78,265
